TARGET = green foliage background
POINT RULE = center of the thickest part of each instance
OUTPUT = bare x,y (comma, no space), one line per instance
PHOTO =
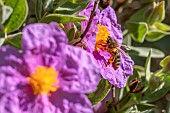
146,29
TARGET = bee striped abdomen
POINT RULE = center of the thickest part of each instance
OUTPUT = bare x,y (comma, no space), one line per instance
116,62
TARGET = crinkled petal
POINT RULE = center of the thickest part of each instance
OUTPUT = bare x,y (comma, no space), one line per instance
9,56
80,72
108,18
10,79
42,59
23,101
43,37
66,102
127,64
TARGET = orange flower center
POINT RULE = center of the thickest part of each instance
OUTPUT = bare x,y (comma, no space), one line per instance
101,37
102,33
44,80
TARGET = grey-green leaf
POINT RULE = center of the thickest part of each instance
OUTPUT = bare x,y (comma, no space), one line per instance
137,30
147,66
5,12
102,90
142,51
18,16
61,18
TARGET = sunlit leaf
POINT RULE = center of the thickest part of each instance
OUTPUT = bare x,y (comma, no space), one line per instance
158,13
165,61
18,16
137,30
155,35
60,18
161,26
147,66
102,90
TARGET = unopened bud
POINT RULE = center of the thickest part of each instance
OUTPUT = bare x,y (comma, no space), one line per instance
135,86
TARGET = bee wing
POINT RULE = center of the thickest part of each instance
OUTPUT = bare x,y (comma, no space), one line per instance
122,52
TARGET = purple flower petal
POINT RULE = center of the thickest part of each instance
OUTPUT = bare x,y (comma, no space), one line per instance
80,73
67,102
42,37
10,56
108,18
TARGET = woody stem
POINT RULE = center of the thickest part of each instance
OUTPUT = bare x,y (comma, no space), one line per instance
93,13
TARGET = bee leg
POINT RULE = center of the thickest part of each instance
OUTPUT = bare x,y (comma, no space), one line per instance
110,61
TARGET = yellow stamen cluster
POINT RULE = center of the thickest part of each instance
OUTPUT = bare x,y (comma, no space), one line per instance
44,80
102,33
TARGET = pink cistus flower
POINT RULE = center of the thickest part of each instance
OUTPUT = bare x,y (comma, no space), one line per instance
47,75
104,41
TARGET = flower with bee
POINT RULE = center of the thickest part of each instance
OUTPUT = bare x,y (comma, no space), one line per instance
104,41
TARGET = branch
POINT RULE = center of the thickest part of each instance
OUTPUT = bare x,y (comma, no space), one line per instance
93,13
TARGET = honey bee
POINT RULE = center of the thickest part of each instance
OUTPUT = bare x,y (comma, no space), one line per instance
111,46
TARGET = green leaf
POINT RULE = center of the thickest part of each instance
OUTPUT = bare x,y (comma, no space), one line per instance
142,14
155,35
161,26
142,51
158,13
164,62
14,40
59,3
2,41
39,11
71,8
60,18
161,92
2,38
137,30
147,66
70,34
154,82
145,106
102,90
48,6
5,12
18,16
